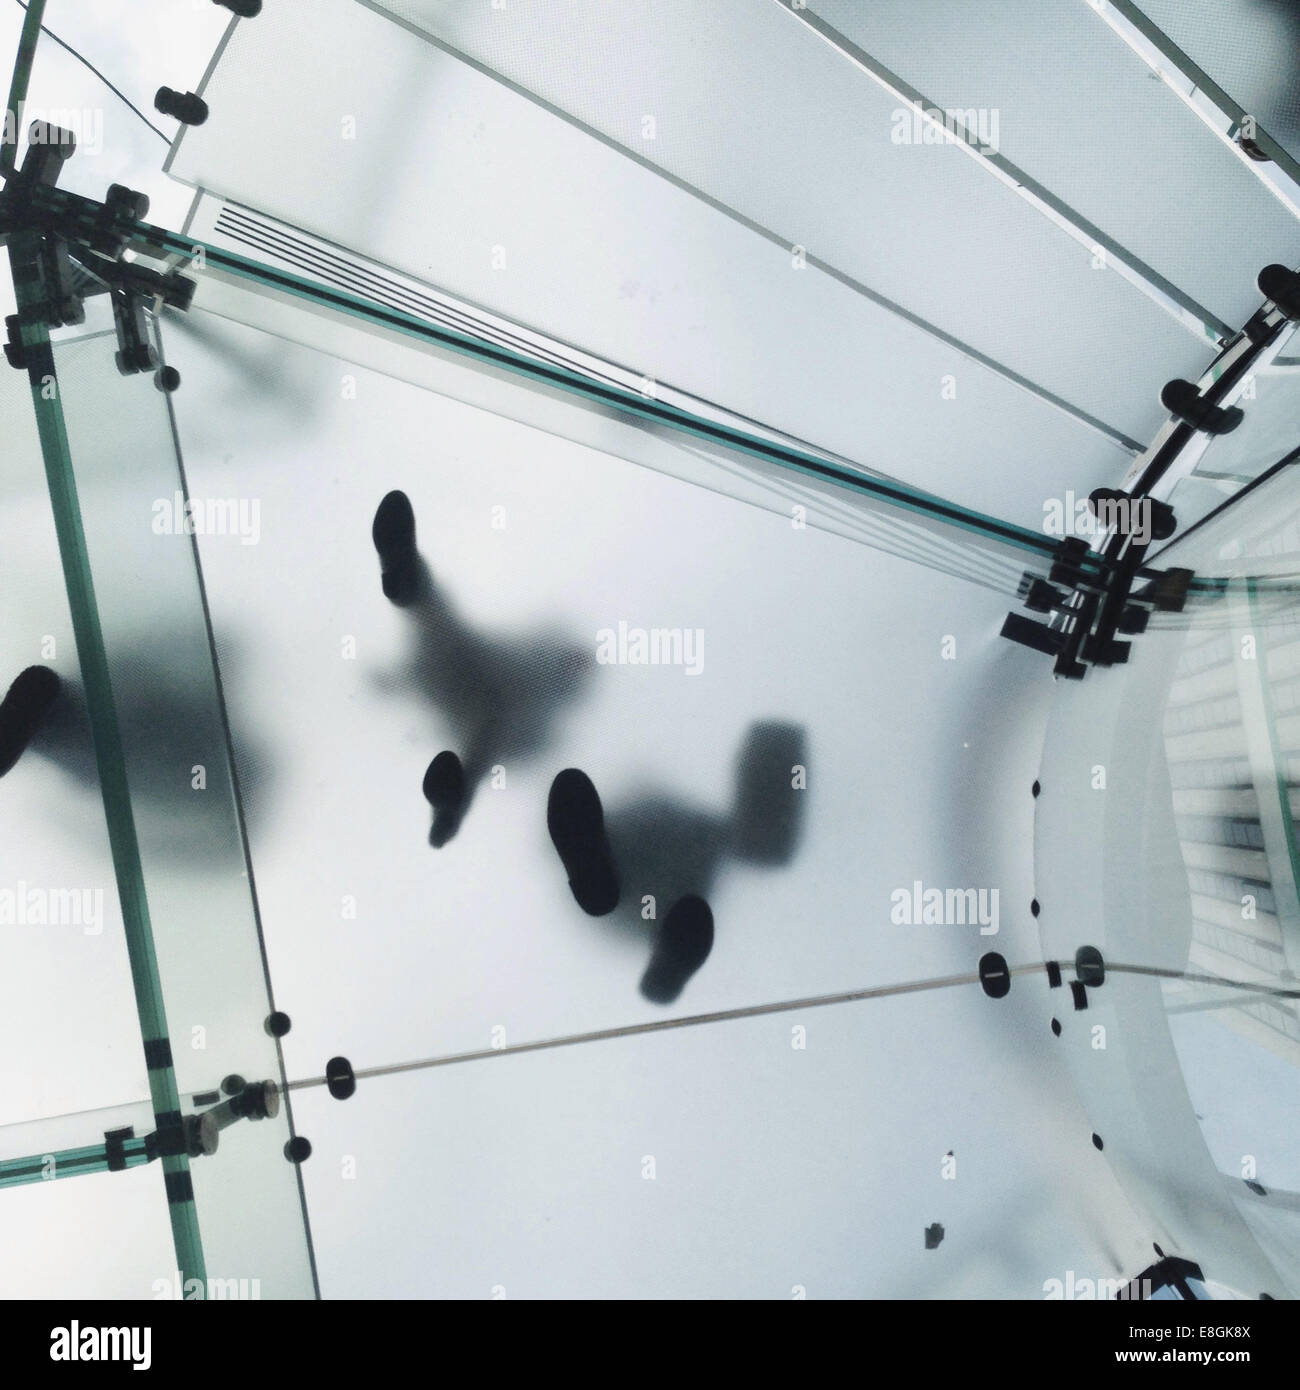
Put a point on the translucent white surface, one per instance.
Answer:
(723, 1162)
(385, 949)
(183, 803)
(1241, 46)
(558, 230)
(53, 826)
(1079, 112)
(101, 1235)
(1121, 866)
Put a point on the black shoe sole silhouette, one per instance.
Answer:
(577, 825)
(444, 790)
(767, 819)
(23, 711)
(683, 945)
(393, 533)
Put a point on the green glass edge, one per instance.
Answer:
(109, 757)
(199, 254)
(68, 1163)
(153, 240)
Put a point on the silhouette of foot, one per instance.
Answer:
(444, 790)
(683, 945)
(577, 825)
(393, 533)
(768, 801)
(24, 710)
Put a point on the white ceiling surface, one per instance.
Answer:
(448, 163)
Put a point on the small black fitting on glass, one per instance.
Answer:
(1183, 400)
(1282, 286)
(340, 1078)
(184, 107)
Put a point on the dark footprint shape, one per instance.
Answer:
(444, 790)
(393, 533)
(683, 945)
(577, 826)
(768, 814)
(23, 711)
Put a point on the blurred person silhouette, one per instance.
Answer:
(169, 726)
(501, 696)
(656, 850)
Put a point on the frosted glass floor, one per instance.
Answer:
(797, 1156)
(386, 949)
(796, 628)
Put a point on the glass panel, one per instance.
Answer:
(139, 45)
(558, 231)
(728, 1161)
(184, 803)
(60, 921)
(1077, 111)
(1240, 45)
(1267, 434)
(555, 388)
(1256, 536)
(1165, 838)
(756, 703)
(508, 663)
(1089, 126)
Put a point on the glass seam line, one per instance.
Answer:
(353, 281)
(234, 219)
(759, 1010)
(1191, 70)
(237, 796)
(109, 757)
(894, 538)
(857, 287)
(153, 239)
(1149, 282)
(667, 1024)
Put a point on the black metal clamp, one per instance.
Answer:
(75, 248)
(1092, 595)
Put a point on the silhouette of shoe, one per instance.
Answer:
(444, 790)
(393, 533)
(24, 710)
(769, 808)
(683, 945)
(577, 825)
